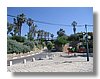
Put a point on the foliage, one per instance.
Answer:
(61, 40)
(18, 21)
(26, 49)
(73, 37)
(52, 35)
(74, 23)
(9, 27)
(18, 38)
(30, 36)
(39, 46)
(32, 29)
(16, 47)
(61, 32)
(42, 40)
(49, 45)
(9, 37)
(29, 43)
(29, 21)
(79, 36)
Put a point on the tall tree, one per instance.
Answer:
(48, 34)
(52, 35)
(9, 27)
(74, 24)
(41, 33)
(61, 32)
(19, 21)
(61, 40)
(33, 30)
(29, 23)
(45, 35)
(16, 30)
(38, 34)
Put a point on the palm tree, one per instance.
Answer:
(41, 33)
(74, 24)
(45, 35)
(48, 33)
(52, 35)
(33, 30)
(9, 27)
(29, 23)
(38, 34)
(19, 21)
(15, 30)
(61, 32)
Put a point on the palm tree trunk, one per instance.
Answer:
(20, 31)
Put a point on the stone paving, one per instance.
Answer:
(59, 63)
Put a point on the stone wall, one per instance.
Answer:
(65, 48)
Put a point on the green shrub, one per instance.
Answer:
(61, 40)
(8, 37)
(18, 38)
(29, 43)
(49, 45)
(26, 49)
(16, 47)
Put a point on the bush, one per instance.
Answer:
(49, 45)
(26, 49)
(16, 47)
(19, 38)
(61, 40)
(29, 43)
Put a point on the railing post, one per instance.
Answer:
(10, 63)
(24, 61)
(33, 59)
(47, 56)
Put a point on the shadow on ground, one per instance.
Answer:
(77, 55)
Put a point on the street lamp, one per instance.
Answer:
(87, 49)
(89, 37)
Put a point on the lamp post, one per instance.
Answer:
(87, 49)
(83, 34)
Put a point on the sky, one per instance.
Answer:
(58, 15)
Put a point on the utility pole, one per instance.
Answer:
(87, 49)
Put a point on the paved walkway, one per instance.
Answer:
(29, 58)
(59, 63)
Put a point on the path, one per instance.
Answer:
(29, 58)
(57, 64)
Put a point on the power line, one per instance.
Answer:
(51, 23)
(11, 16)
